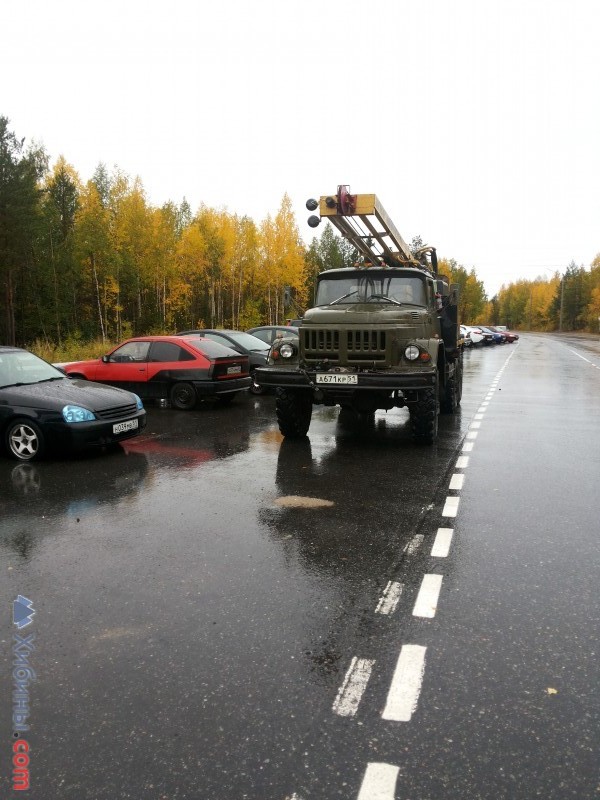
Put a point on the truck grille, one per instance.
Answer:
(350, 345)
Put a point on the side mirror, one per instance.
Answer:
(105, 359)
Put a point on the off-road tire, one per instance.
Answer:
(294, 411)
(451, 398)
(424, 416)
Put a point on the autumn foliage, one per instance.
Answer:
(83, 261)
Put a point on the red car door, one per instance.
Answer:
(126, 367)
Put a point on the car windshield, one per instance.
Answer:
(209, 348)
(247, 340)
(366, 287)
(20, 367)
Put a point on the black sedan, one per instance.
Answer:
(41, 409)
(256, 350)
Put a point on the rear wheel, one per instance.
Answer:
(424, 416)
(24, 440)
(183, 396)
(452, 390)
(294, 412)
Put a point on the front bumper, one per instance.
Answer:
(367, 381)
(98, 433)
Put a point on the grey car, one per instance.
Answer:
(256, 350)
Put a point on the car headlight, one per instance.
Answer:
(287, 350)
(138, 401)
(412, 352)
(77, 414)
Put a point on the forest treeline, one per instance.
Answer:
(81, 261)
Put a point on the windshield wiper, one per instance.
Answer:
(55, 378)
(384, 297)
(343, 297)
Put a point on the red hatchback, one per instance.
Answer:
(180, 369)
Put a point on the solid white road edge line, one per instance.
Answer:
(406, 684)
(379, 782)
(411, 548)
(390, 598)
(349, 695)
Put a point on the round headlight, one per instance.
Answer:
(412, 352)
(287, 350)
(77, 414)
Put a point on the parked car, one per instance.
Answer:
(183, 369)
(508, 335)
(268, 333)
(478, 337)
(42, 410)
(497, 336)
(466, 336)
(245, 343)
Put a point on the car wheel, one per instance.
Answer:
(183, 396)
(256, 388)
(24, 440)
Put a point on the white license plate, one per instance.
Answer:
(336, 377)
(233, 370)
(121, 427)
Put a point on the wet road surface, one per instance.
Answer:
(220, 614)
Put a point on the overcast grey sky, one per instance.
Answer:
(476, 122)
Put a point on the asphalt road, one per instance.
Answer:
(220, 614)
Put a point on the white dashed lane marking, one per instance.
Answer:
(443, 540)
(427, 599)
(404, 692)
(379, 782)
(451, 507)
(457, 481)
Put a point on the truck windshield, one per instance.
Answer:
(369, 287)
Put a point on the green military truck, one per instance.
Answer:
(382, 335)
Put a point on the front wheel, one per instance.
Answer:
(183, 396)
(294, 412)
(424, 416)
(24, 440)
